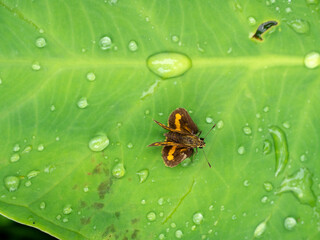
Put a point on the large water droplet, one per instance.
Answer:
(143, 175)
(179, 234)
(299, 184)
(15, 157)
(118, 171)
(41, 42)
(67, 209)
(91, 76)
(151, 216)
(105, 43)
(290, 223)
(82, 102)
(267, 147)
(133, 46)
(98, 143)
(260, 229)
(169, 64)
(312, 60)
(299, 25)
(280, 147)
(197, 218)
(12, 183)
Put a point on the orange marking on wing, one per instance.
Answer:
(170, 153)
(177, 121)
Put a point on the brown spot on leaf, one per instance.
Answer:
(135, 220)
(104, 188)
(97, 169)
(134, 234)
(83, 204)
(117, 214)
(108, 233)
(98, 205)
(85, 221)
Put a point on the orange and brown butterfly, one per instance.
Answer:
(182, 138)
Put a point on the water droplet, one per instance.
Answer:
(173, 225)
(267, 147)
(67, 209)
(16, 148)
(86, 189)
(280, 147)
(143, 175)
(312, 2)
(289, 223)
(312, 60)
(193, 227)
(49, 168)
(130, 145)
(82, 102)
(288, 10)
(99, 143)
(161, 214)
(161, 236)
(91, 76)
(175, 38)
(268, 186)
(33, 174)
(299, 25)
(234, 217)
(52, 108)
(58, 217)
(41, 42)
(286, 124)
(264, 199)
(42, 205)
(197, 218)
(143, 201)
(27, 149)
(247, 130)
(209, 120)
(118, 170)
(0, 81)
(303, 158)
(160, 201)
(241, 150)
(220, 124)
(246, 183)
(260, 229)
(151, 89)
(12, 183)
(105, 43)
(266, 109)
(65, 219)
(133, 46)
(40, 147)
(252, 21)
(36, 66)
(169, 64)
(299, 184)
(186, 162)
(258, 115)
(28, 183)
(151, 216)
(15, 157)
(178, 234)
(211, 207)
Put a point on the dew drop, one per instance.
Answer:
(252, 21)
(36, 66)
(211, 207)
(299, 26)
(246, 183)
(241, 150)
(52, 108)
(130, 145)
(268, 186)
(220, 124)
(266, 109)
(161, 236)
(260, 229)
(12, 183)
(143, 175)
(58, 217)
(312, 60)
(178, 234)
(118, 170)
(169, 64)
(40, 147)
(160, 201)
(15, 157)
(105, 43)
(42, 205)
(27, 149)
(16, 148)
(173, 225)
(41, 42)
(98, 143)
(82, 102)
(303, 158)
(28, 183)
(267, 147)
(286, 124)
(133, 46)
(33, 174)
(247, 130)
(209, 120)
(299, 184)
(65, 220)
(143, 201)
(312, 2)
(288, 10)
(49, 168)
(151, 216)
(289, 223)
(175, 38)
(264, 199)
(91, 76)
(86, 189)
(67, 209)
(197, 218)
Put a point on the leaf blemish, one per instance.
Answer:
(104, 188)
(263, 27)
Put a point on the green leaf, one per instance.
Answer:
(77, 103)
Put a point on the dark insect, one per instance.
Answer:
(262, 28)
(182, 138)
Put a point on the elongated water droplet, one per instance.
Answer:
(98, 143)
(67, 209)
(312, 60)
(15, 157)
(150, 91)
(312, 2)
(178, 234)
(280, 147)
(151, 216)
(299, 184)
(105, 43)
(41, 42)
(42, 205)
(260, 229)
(197, 218)
(52, 108)
(82, 102)
(118, 171)
(12, 183)
(33, 174)
(27, 149)
(91, 76)
(169, 64)
(143, 175)
(303, 158)
(299, 25)
(290, 223)
(133, 46)
(267, 147)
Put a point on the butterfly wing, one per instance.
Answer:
(173, 155)
(181, 121)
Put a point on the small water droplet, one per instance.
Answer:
(209, 120)
(186, 162)
(258, 115)
(151, 216)
(82, 102)
(169, 64)
(241, 150)
(41, 42)
(105, 43)
(197, 218)
(193, 227)
(160, 201)
(86, 189)
(143, 201)
(178, 234)
(49, 168)
(16, 148)
(40, 147)
(312, 60)
(65, 220)
(246, 183)
(266, 109)
(211, 207)
(36, 66)
(260, 229)
(229, 50)
(33, 174)
(299, 184)
(220, 124)
(98, 143)
(303, 158)
(267, 147)
(15, 157)
(143, 175)
(118, 170)
(288, 10)
(91, 76)
(312, 2)
(264, 199)
(175, 38)
(234, 217)
(42, 205)
(173, 225)
(12, 183)
(252, 21)
(161, 236)
(133, 46)
(268, 186)
(299, 25)
(52, 108)
(130, 145)
(67, 209)
(27, 149)
(289, 223)
(28, 183)
(247, 130)
(286, 124)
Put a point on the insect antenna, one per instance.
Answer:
(206, 158)
(209, 131)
